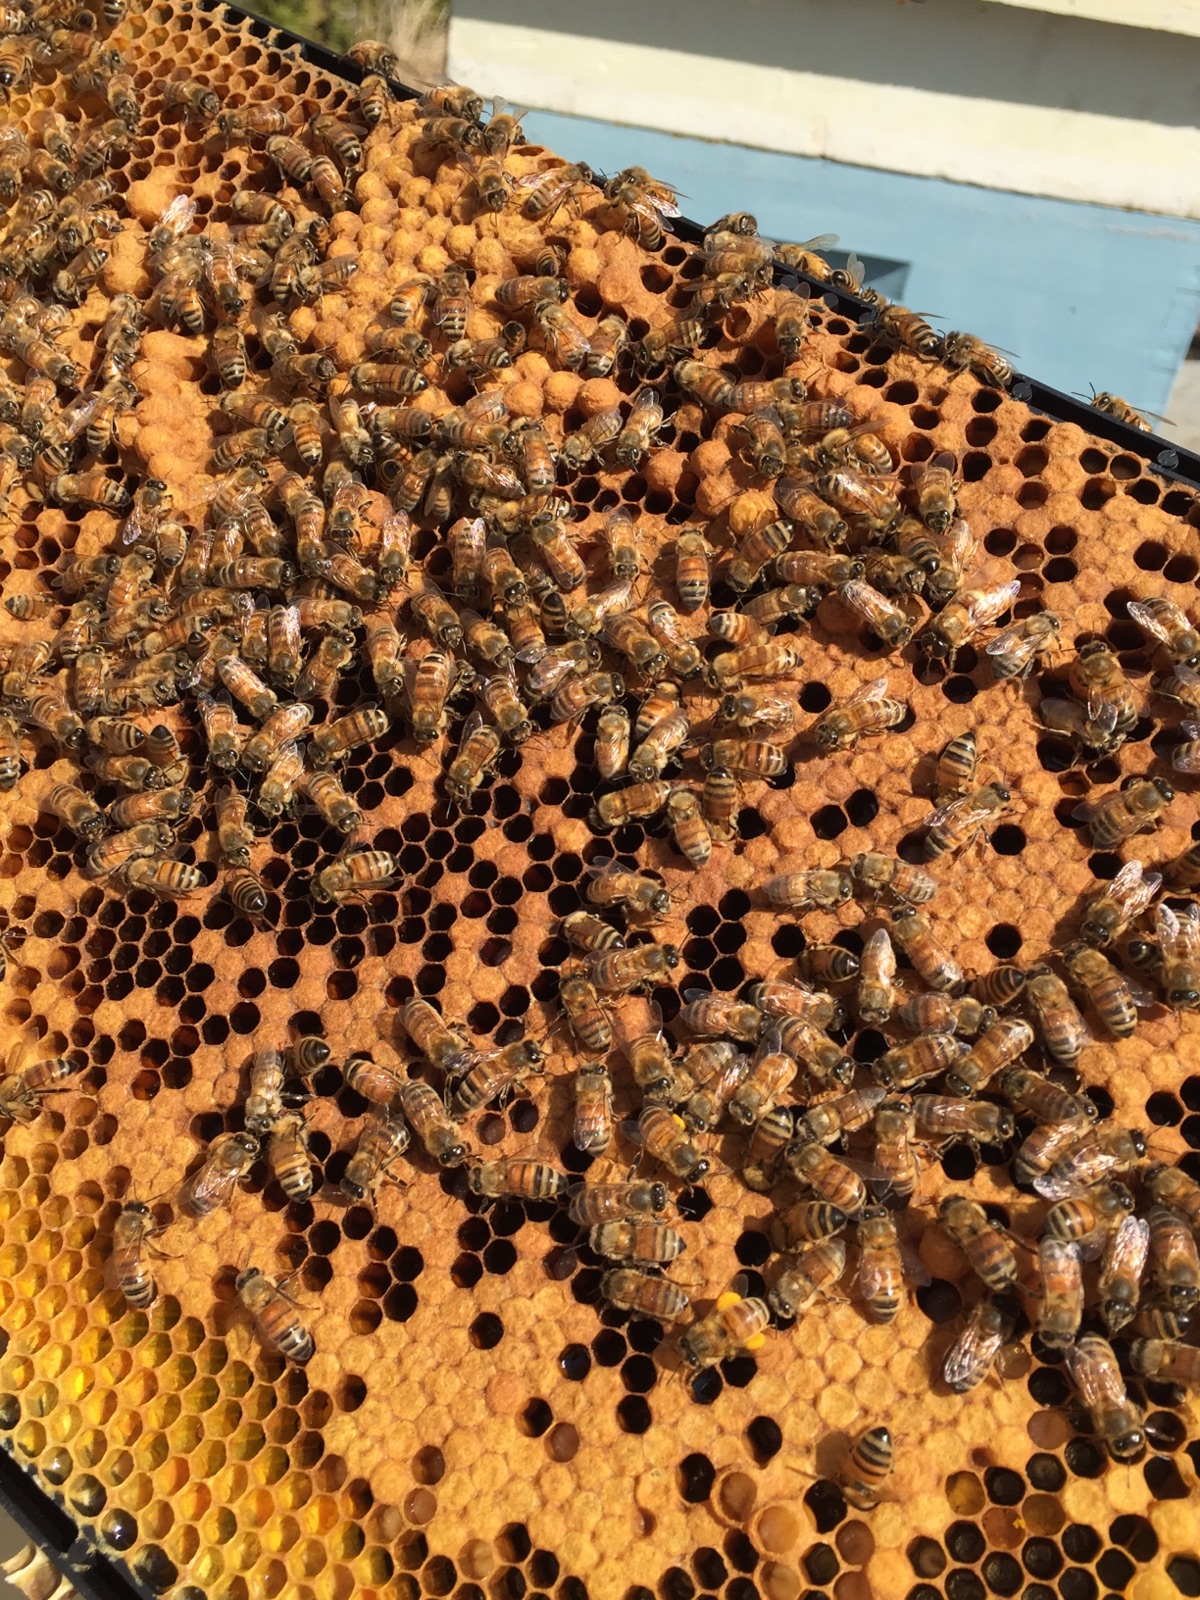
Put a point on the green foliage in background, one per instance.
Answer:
(338, 23)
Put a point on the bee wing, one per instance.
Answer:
(1099, 1382)
(1191, 729)
(1103, 713)
(867, 601)
(1139, 994)
(959, 811)
(1014, 634)
(879, 957)
(1135, 888)
(915, 1269)
(645, 400)
(1062, 716)
(1189, 931)
(988, 604)
(1153, 618)
(875, 690)
(179, 215)
(1128, 1248)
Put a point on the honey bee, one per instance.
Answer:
(894, 1157)
(442, 1046)
(769, 1137)
(1098, 681)
(93, 488)
(276, 1315)
(918, 1060)
(429, 1120)
(518, 1179)
(944, 1119)
(714, 1015)
(166, 879)
(1001, 1044)
(331, 743)
(614, 885)
(967, 612)
(736, 1324)
(495, 1074)
(113, 852)
(962, 350)
(605, 344)
(1174, 1188)
(1163, 1362)
(429, 689)
(1096, 1154)
(771, 1074)
(1061, 1309)
(628, 805)
(959, 822)
(1137, 807)
(648, 1242)
(913, 933)
(644, 1294)
(585, 1015)
(264, 1103)
(1118, 1422)
(868, 710)
(643, 422)
(1174, 1262)
(132, 1233)
(373, 1082)
(666, 1139)
(383, 1140)
(886, 620)
(969, 1359)
(593, 1120)
(1125, 1254)
(594, 1203)
(1059, 1023)
(867, 1467)
(807, 890)
(211, 1186)
(876, 998)
(752, 758)
(10, 753)
(985, 1246)
(612, 743)
(760, 546)
(1114, 996)
(934, 484)
(593, 436)
(357, 874)
(882, 1266)
(1089, 1217)
(808, 1272)
(22, 1087)
(1017, 650)
(287, 1156)
(168, 805)
(829, 963)
(76, 811)
(589, 934)
(839, 1185)
(1168, 624)
(1178, 938)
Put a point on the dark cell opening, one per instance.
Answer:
(696, 1475)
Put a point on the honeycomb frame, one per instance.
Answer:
(399, 1461)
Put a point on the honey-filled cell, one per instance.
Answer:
(520, 561)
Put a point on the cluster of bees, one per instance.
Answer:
(222, 647)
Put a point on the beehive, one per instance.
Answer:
(474, 1422)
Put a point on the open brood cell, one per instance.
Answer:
(476, 1422)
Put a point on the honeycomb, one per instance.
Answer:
(475, 1422)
